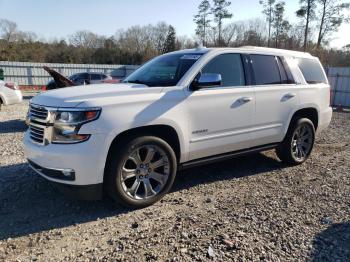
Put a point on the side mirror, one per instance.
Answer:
(206, 80)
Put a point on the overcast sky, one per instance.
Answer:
(56, 19)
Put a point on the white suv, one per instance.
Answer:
(180, 109)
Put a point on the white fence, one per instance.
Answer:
(25, 73)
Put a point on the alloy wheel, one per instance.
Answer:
(145, 172)
(302, 142)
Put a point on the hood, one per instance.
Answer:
(73, 96)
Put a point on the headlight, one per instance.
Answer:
(68, 122)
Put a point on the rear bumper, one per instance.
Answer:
(325, 118)
(14, 97)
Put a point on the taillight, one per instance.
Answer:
(11, 86)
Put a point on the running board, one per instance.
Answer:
(226, 156)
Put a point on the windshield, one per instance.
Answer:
(164, 70)
(73, 77)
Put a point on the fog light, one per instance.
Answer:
(67, 173)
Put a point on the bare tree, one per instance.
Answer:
(184, 42)
(85, 39)
(331, 17)
(8, 30)
(158, 35)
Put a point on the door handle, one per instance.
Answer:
(245, 99)
(289, 95)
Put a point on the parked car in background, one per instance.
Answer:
(85, 78)
(181, 109)
(9, 93)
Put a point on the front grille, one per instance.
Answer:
(36, 133)
(37, 112)
(38, 118)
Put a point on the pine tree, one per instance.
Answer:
(331, 17)
(170, 41)
(307, 11)
(280, 25)
(220, 13)
(268, 12)
(202, 21)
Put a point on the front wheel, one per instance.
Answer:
(298, 143)
(141, 171)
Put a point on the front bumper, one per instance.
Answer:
(86, 160)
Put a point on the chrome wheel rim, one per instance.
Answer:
(302, 142)
(145, 172)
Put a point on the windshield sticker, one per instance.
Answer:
(192, 57)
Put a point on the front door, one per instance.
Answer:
(221, 117)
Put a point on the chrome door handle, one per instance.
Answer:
(245, 99)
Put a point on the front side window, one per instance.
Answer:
(265, 69)
(95, 77)
(165, 70)
(312, 71)
(230, 67)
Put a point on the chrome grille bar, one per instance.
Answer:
(36, 134)
(38, 112)
(38, 120)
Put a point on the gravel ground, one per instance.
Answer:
(246, 209)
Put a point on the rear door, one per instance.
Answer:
(276, 98)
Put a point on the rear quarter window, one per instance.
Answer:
(312, 71)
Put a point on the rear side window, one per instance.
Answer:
(312, 71)
(230, 67)
(265, 68)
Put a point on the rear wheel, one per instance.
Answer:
(141, 171)
(298, 143)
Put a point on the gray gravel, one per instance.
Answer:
(247, 209)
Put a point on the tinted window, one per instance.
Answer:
(283, 74)
(230, 67)
(265, 69)
(82, 77)
(164, 70)
(312, 71)
(95, 77)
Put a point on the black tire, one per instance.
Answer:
(286, 151)
(118, 157)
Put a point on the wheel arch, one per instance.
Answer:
(306, 112)
(165, 132)
(2, 100)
